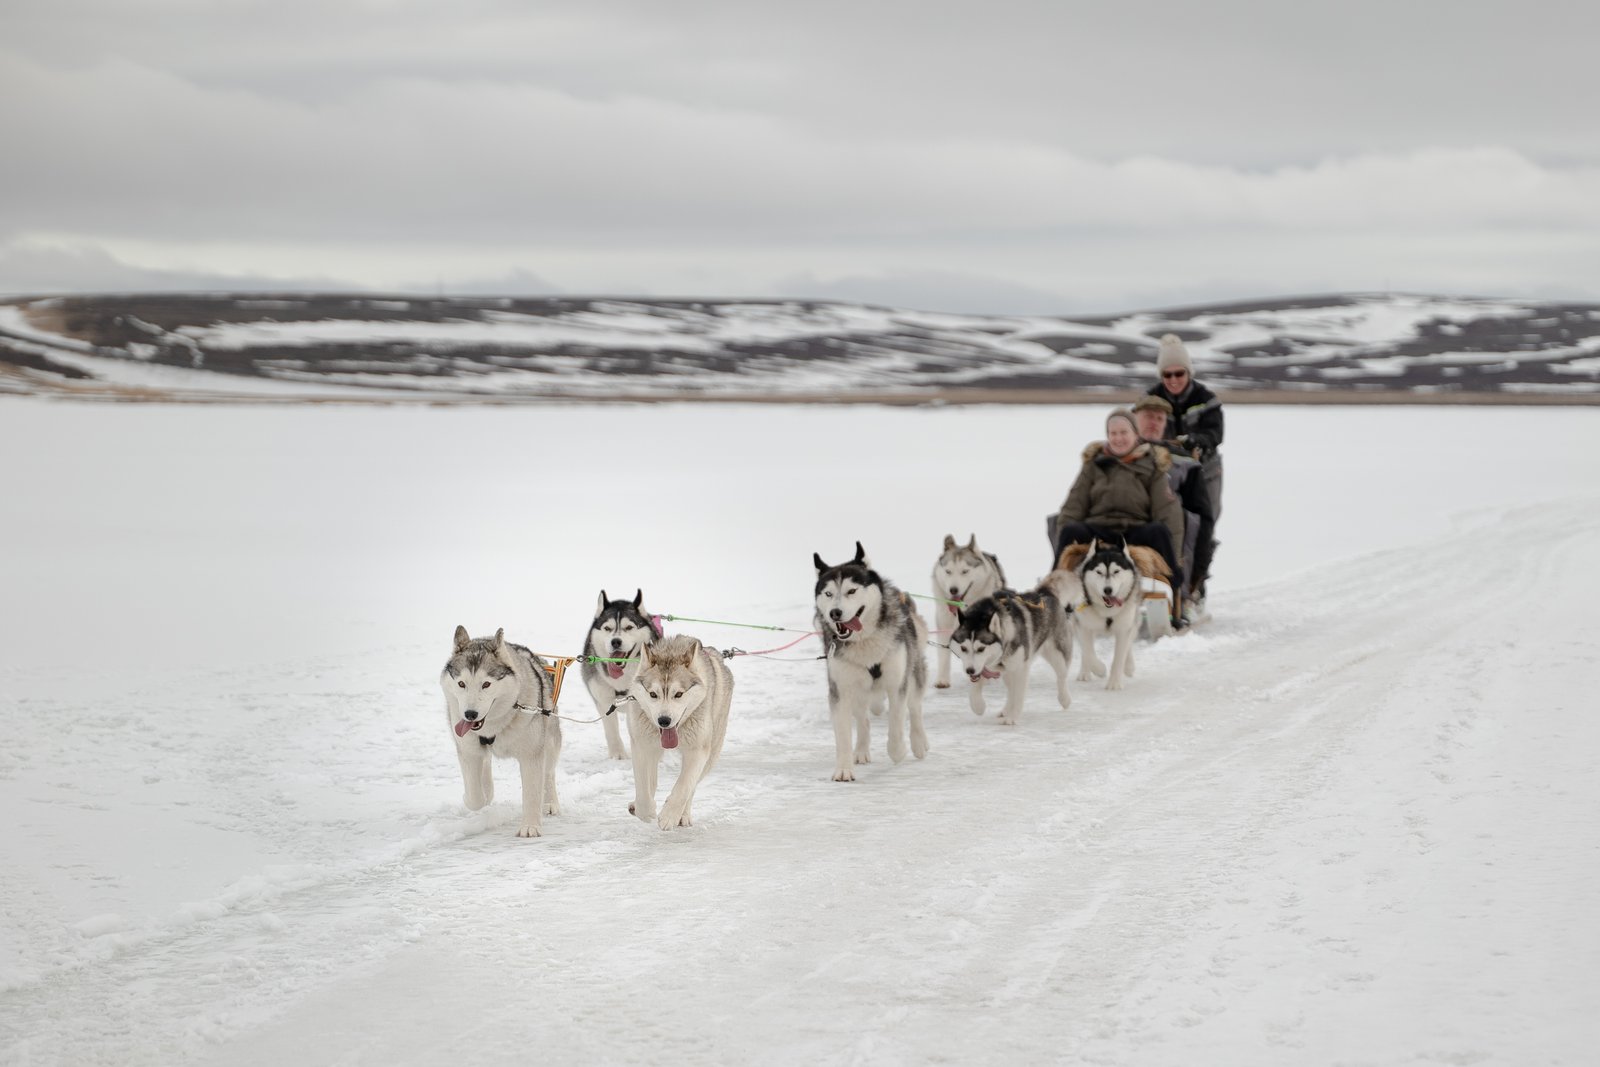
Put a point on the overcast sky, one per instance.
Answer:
(996, 157)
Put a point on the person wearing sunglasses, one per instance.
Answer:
(1196, 425)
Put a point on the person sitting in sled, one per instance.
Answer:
(1122, 493)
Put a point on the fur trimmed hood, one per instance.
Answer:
(1097, 450)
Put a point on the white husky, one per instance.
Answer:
(611, 659)
(873, 638)
(680, 701)
(497, 702)
(963, 573)
(998, 637)
(1102, 582)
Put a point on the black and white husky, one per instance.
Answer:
(965, 573)
(620, 630)
(873, 638)
(999, 636)
(498, 702)
(1103, 583)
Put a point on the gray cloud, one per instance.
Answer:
(650, 147)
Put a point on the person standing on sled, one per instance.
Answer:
(1195, 425)
(1122, 493)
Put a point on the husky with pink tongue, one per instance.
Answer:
(873, 639)
(498, 702)
(680, 703)
(611, 657)
(997, 639)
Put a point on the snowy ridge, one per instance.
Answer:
(314, 346)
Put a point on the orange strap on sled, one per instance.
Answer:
(557, 671)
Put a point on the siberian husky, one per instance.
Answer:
(497, 702)
(681, 694)
(873, 638)
(998, 637)
(619, 630)
(1101, 582)
(965, 573)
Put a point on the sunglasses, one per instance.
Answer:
(1174, 373)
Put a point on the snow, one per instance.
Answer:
(1349, 821)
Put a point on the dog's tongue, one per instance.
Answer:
(614, 669)
(954, 610)
(990, 674)
(853, 625)
(669, 737)
(1113, 602)
(462, 727)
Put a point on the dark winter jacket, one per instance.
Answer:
(1196, 417)
(1122, 493)
(1188, 480)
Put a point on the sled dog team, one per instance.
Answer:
(674, 692)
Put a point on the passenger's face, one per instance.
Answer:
(1120, 436)
(1152, 424)
(1175, 379)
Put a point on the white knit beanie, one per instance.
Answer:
(1173, 354)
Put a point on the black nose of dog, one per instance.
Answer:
(470, 714)
(1108, 590)
(835, 613)
(663, 721)
(954, 590)
(971, 673)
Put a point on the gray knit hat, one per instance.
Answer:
(1173, 354)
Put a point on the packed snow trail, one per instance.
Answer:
(1349, 821)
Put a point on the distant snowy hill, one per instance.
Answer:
(1354, 347)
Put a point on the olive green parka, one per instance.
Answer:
(1122, 493)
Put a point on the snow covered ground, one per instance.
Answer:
(1351, 821)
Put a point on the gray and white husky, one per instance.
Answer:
(873, 639)
(1102, 582)
(999, 636)
(619, 630)
(681, 696)
(965, 573)
(497, 702)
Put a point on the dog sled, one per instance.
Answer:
(1155, 590)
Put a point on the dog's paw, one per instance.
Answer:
(942, 684)
(474, 803)
(844, 774)
(1113, 683)
(551, 807)
(669, 821)
(528, 829)
(617, 754)
(646, 814)
(897, 752)
(1093, 668)
(919, 746)
(1007, 720)
(1127, 666)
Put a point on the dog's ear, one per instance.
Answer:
(604, 600)
(861, 555)
(817, 559)
(949, 542)
(647, 658)
(462, 638)
(500, 640)
(972, 543)
(638, 598)
(691, 652)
